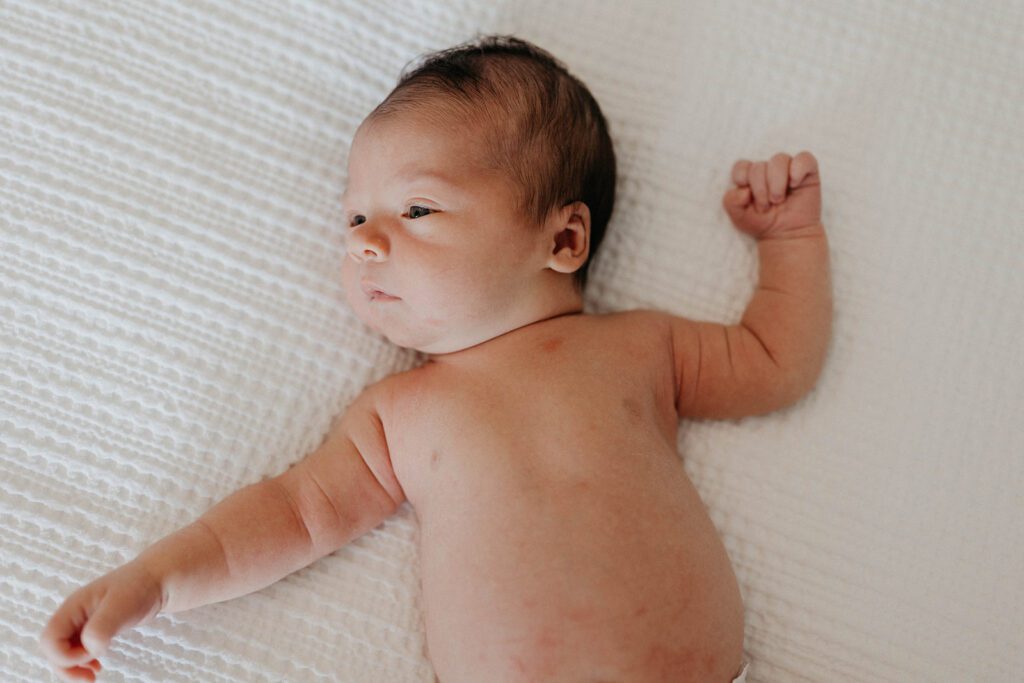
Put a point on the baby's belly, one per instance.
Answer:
(608, 569)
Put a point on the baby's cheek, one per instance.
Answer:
(348, 279)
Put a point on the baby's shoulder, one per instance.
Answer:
(399, 391)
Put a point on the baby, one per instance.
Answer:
(561, 539)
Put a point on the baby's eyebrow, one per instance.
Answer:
(426, 174)
(418, 174)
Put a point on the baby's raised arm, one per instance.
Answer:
(247, 541)
(774, 355)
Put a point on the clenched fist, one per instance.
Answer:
(776, 198)
(82, 627)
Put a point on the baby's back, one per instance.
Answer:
(560, 537)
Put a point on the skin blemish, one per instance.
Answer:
(552, 344)
(435, 459)
(640, 611)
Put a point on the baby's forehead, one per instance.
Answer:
(415, 146)
(461, 127)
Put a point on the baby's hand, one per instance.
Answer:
(83, 626)
(776, 198)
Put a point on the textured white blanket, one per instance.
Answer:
(172, 325)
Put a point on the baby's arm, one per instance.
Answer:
(268, 530)
(247, 541)
(775, 354)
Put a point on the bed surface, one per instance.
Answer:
(172, 323)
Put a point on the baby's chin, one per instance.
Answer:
(410, 326)
(397, 329)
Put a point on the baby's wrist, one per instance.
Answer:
(803, 231)
(151, 575)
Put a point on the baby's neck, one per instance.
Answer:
(566, 303)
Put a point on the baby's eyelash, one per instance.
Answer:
(355, 219)
(417, 206)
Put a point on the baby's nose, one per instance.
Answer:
(367, 247)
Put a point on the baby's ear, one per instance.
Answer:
(568, 232)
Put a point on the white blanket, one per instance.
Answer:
(172, 324)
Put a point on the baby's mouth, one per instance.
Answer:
(375, 293)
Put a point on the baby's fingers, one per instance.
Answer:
(741, 172)
(736, 201)
(803, 167)
(87, 672)
(778, 177)
(59, 640)
(759, 185)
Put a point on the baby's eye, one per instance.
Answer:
(357, 220)
(418, 211)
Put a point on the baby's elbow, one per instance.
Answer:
(794, 385)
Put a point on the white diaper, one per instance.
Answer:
(742, 678)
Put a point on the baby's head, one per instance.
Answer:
(478, 192)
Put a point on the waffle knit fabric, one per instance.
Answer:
(172, 324)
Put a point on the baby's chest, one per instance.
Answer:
(521, 429)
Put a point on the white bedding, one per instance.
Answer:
(172, 325)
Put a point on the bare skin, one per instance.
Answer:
(561, 539)
(576, 549)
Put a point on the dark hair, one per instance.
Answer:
(542, 124)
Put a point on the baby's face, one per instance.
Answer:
(436, 231)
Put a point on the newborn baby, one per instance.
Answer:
(561, 539)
